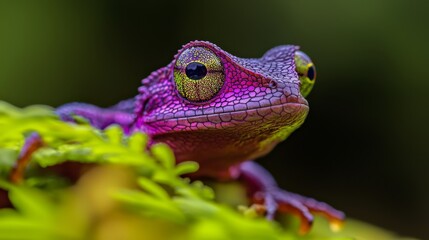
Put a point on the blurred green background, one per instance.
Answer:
(364, 147)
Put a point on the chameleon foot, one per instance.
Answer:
(278, 200)
(263, 190)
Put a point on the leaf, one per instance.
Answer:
(137, 142)
(114, 134)
(164, 154)
(30, 202)
(153, 188)
(185, 168)
(151, 206)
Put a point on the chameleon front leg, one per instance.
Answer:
(121, 114)
(32, 144)
(263, 189)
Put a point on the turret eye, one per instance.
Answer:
(198, 74)
(196, 70)
(306, 72)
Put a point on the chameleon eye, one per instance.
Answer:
(198, 74)
(306, 72)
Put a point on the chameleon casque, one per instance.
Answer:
(222, 111)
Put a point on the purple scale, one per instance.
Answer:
(228, 108)
(265, 102)
(239, 116)
(219, 110)
(230, 99)
(226, 117)
(208, 111)
(215, 119)
(190, 113)
(228, 95)
(179, 114)
(168, 115)
(239, 107)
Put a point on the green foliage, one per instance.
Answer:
(135, 193)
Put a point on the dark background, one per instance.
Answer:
(364, 147)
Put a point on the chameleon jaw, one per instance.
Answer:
(213, 140)
(284, 114)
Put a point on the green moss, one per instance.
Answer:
(133, 193)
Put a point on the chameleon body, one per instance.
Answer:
(221, 111)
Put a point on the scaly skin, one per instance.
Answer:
(239, 111)
(259, 106)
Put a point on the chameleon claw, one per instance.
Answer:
(336, 225)
(334, 216)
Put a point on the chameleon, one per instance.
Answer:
(222, 112)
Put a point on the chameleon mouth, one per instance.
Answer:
(287, 113)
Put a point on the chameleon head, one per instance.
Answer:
(213, 107)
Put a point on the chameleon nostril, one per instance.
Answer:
(272, 84)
